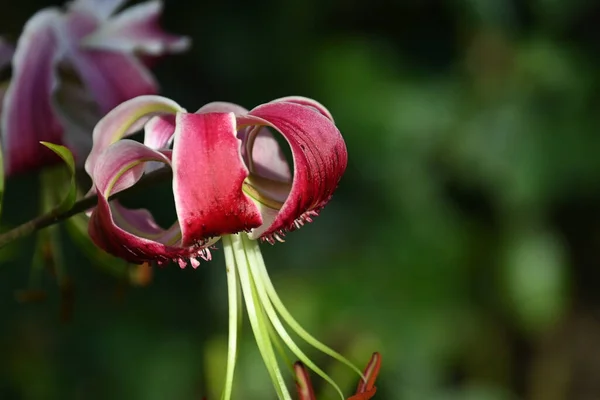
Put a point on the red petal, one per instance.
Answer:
(113, 173)
(305, 101)
(208, 173)
(319, 154)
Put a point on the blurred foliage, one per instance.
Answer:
(463, 242)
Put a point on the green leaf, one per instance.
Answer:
(67, 157)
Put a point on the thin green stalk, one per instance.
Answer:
(255, 314)
(80, 206)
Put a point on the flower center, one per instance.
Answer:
(266, 191)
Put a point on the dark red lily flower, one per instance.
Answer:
(229, 174)
(230, 181)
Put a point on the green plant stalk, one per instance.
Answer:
(56, 216)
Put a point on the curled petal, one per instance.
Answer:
(137, 29)
(222, 107)
(268, 160)
(78, 115)
(305, 101)
(320, 159)
(112, 173)
(125, 119)
(112, 77)
(28, 116)
(6, 53)
(101, 9)
(208, 173)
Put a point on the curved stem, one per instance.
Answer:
(44, 221)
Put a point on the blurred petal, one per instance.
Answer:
(125, 119)
(28, 116)
(320, 159)
(78, 115)
(111, 174)
(101, 9)
(137, 29)
(370, 373)
(208, 173)
(6, 53)
(112, 77)
(303, 383)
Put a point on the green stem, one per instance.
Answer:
(46, 220)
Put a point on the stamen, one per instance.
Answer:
(182, 263)
(195, 263)
(233, 289)
(289, 319)
(257, 321)
(268, 307)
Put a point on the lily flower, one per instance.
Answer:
(230, 181)
(72, 66)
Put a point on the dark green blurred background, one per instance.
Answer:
(463, 242)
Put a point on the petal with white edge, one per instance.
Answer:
(125, 119)
(112, 174)
(100, 9)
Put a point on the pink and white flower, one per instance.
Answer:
(72, 66)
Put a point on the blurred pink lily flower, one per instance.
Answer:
(231, 181)
(72, 66)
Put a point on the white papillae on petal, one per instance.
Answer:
(126, 119)
(137, 29)
(101, 9)
(28, 115)
(6, 53)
